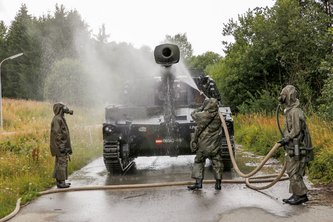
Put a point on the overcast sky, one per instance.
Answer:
(146, 22)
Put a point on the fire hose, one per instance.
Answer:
(249, 179)
(248, 176)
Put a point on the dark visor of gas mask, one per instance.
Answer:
(282, 99)
(68, 111)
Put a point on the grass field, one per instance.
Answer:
(25, 160)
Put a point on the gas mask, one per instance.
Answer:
(282, 99)
(67, 110)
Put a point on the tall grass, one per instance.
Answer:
(25, 160)
(259, 133)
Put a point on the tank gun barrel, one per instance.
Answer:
(166, 54)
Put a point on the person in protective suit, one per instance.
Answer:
(60, 144)
(206, 142)
(297, 142)
(208, 87)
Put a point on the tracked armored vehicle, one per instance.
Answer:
(157, 121)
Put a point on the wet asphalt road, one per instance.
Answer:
(234, 203)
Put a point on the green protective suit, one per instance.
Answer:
(208, 133)
(295, 133)
(60, 144)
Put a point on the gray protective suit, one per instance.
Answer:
(208, 136)
(60, 143)
(296, 134)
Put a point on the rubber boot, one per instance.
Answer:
(196, 186)
(296, 200)
(218, 185)
(61, 184)
(286, 200)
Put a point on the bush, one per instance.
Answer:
(326, 100)
(264, 102)
(257, 133)
(321, 169)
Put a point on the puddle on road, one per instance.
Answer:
(166, 169)
(248, 161)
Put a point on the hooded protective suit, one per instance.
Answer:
(208, 136)
(208, 86)
(297, 141)
(60, 144)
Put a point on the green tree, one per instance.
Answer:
(102, 36)
(183, 44)
(326, 106)
(64, 34)
(326, 99)
(328, 9)
(304, 43)
(275, 46)
(203, 60)
(3, 30)
(22, 76)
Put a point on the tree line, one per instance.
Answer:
(63, 60)
(289, 43)
(44, 41)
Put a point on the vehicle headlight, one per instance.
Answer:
(142, 129)
(108, 129)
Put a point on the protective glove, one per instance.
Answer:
(283, 141)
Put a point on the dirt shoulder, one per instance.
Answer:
(321, 195)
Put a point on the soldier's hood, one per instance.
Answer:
(295, 104)
(289, 107)
(290, 94)
(58, 108)
(211, 105)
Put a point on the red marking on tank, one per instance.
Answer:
(158, 141)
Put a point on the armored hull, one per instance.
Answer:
(126, 139)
